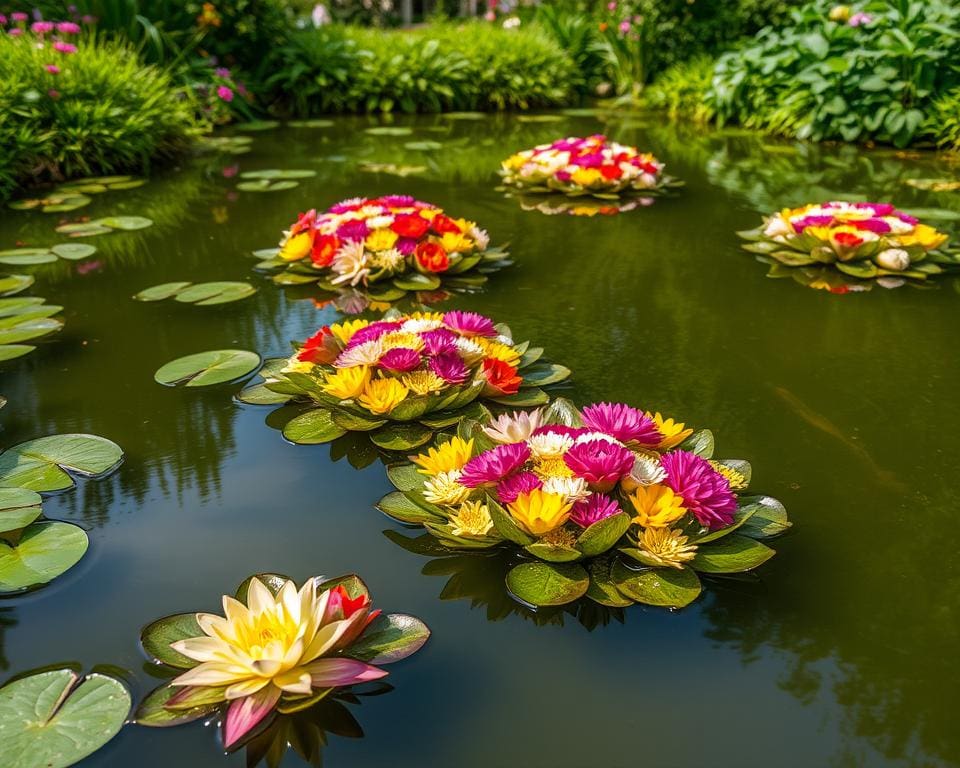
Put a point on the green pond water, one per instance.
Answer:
(842, 653)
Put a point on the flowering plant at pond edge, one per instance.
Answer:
(862, 241)
(404, 376)
(394, 242)
(585, 166)
(276, 650)
(633, 496)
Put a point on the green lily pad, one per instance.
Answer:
(277, 173)
(423, 146)
(414, 281)
(13, 351)
(731, 554)
(603, 534)
(204, 369)
(389, 130)
(43, 552)
(160, 292)
(18, 508)
(392, 168)
(57, 202)
(700, 442)
(312, 123)
(46, 464)
(266, 185)
(465, 115)
(28, 329)
(74, 251)
(126, 223)
(257, 125)
(157, 637)
(542, 374)
(768, 518)
(27, 256)
(83, 229)
(543, 584)
(13, 284)
(390, 638)
(401, 436)
(666, 587)
(405, 510)
(260, 394)
(54, 719)
(539, 118)
(526, 397)
(210, 294)
(314, 427)
(153, 711)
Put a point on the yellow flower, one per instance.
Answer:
(472, 519)
(666, 547)
(539, 512)
(444, 488)
(383, 395)
(925, 236)
(296, 247)
(403, 339)
(344, 331)
(347, 383)
(438, 316)
(553, 466)
(423, 382)
(673, 431)
(498, 351)
(381, 239)
(447, 457)
(735, 478)
(430, 213)
(298, 366)
(586, 177)
(455, 242)
(559, 537)
(656, 506)
(513, 162)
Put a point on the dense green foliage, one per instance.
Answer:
(680, 90)
(943, 120)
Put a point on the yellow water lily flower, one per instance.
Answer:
(347, 383)
(674, 432)
(585, 177)
(344, 331)
(430, 213)
(538, 512)
(444, 488)
(381, 239)
(471, 519)
(656, 506)
(383, 395)
(296, 247)
(498, 351)
(923, 235)
(423, 382)
(734, 477)
(446, 457)
(403, 339)
(456, 242)
(666, 547)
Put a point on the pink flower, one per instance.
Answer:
(561, 429)
(600, 463)
(53, 93)
(624, 26)
(400, 360)
(494, 465)
(353, 230)
(859, 19)
(42, 27)
(704, 491)
(372, 331)
(66, 48)
(68, 28)
(627, 424)
(225, 93)
(469, 323)
(510, 488)
(406, 245)
(88, 19)
(53, 69)
(222, 72)
(450, 367)
(438, 342)
(3, 20)
(230, 171)
(19, 16)
(611, 6)
(15, 32)
(593, 509)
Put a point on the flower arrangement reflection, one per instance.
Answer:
(552, 205)
(568, 486)
(404, 376)
(585, 166)
(862, 241)
(276, 650)
(393, 241)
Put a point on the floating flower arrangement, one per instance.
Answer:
(389, 244)
(404, 376)
(610, 502)
(861, 241)
(585, 166)
(320, 638)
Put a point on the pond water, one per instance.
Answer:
(842, 653)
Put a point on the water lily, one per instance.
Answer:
(513, 427)
(383, 395)
(447, 457)
(656, 506)
(471, 519)
(538, 512)
(665, 547)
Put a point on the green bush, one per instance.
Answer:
(839, 72)
(102, 112)
(680, 90)
(943, 120)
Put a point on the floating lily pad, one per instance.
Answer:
(539, 118)
(205, 369)
(53, 719)
(389, 130)
(74, 251)
(46, 464)
(390, 638)
(56, 202)
(13, 284)
(543, 584)
(127, 223)
(160, 292)
(465, 116)
(231, 145)
(266, 185)
(156, 639)
(257, 125)
(27, 256)
(392, 168)
(666, 587)
(313, 123)
(12, 351)
(24, 318)
(44, 551)
(18, 508)
(201, 294)
(936, 214)
(277, 173)
(313, 427)
(423, 146)
(83, 229)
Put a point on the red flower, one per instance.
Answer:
(432, 257)
(304, 222)
(611, 171)
(502, 378)
(324, 246)
(848, 239)
(319, 348)
(442, 224)
(410, 225)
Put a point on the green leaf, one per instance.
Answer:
(18, 508)
(210, 294)
(526, 397)
(389, 638)
(399, 507)
(11, 284)
(666, 587)
(44, 551)
(603, 534)
(543, 374)
(769, 517)
(312, 123)
(563, 411)
(552, 553)
(260, 394)
(12, 351)
(27, 257)
(542, 584)
(152, 711)
(731, 554)
(402, 436)
(74, 251)
(204, 369)
(423, 146)
(278, 173)
(602, 588)
(272, 581)
(126, 223)
(48, 721)
(389, 130)
(160, 292)
(405, 477)
(415, 281)
(936, 214)
(29, 329)
(157, 637)
(314, 427)
(42, 464)
(353, 584)
(266, 185)
(505, 525)
(700, 443)
(255, 125)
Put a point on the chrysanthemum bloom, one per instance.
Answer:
(502, 379)
(514, 427)
(572, 488)
(593, 509)
(450, 367)
(400, 360)
(446, 457)
(513, 485)
(471, 519)
(445, 488)
(549, 445)
(665, 547)
(275, 645)
(383, 395)
(65, 48)
(225, 93)
(373, 331)
(347, 383)
(469, 324)
(538, 512)
(368, 353)
(673, 432)
(705, 492)
(656, 506)
(555, 466)
(396, 339)
(42, 27)
(600, 463)
(628, 425)
(380, 239)
(53, 69)
(646, 470)
(423, 382)
(492, 466)
(468, 349)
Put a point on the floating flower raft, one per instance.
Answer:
(585, 166)
(610, 502)
(391, 244)
(405, 376)
(862, 241)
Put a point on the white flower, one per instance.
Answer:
(445, 488)
(350, 264)
(549, 445)
(420, 325)
(777, 227)
(370, 211)
(647, 470)
(480, 237)
(895, 259)
(898, 226)
(470, 351)
(380, 222)
(515, 427)
(367, 353)
(389, 259)
(573, 488)
(648, 180)
(586, 437)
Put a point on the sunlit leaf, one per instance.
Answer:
(204, 369)
(47, 463)
(544, 584)
(44, 551)
(18, 508)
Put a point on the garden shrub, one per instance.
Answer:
(943, 120)
(680, 90)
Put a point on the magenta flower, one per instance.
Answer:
(593, 509)
(492, 466)
(53, 69)
(400, 359)
(400, 201)
(438, 342)
(353, 230)
(450, 367)
(624, 26)
(626, 424)
(372, 331)
(879, 226)
(704, 491)
(859, 19)
(225, 93)
(15, 32)
(561, 429)
(878, 209)
(348, 205)
(3, 20)
(406, 245)
(222, 72)
(812, 221)
(42, 27)
(563, 176)
(469, 323)
(63, 47)
(19, 16)
(68, 28)
(600, 463)
(510, 488)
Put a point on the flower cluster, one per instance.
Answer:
(274, 647)
(862, 240)
(363, 241)
(56, 38)
(583, 166)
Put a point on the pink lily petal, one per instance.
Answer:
(330, 673)
(245, 714)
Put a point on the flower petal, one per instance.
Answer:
(213, 673)
(259, 598)
(329, 673)
(202, 648)
(244, 714)
(294, 681)
(246, 688)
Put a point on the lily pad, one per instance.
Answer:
(204, 369)
(401, 436)
(392, 168)
(28, 329)
(153, 710)
(43, 552)
(13, 351)
(666, 587)
(57, 202)
(465, 115)
(157, 637)
(74, 251)
(53, 719)
(543, 584)
(423, 146)
(46, 464)
(414, 281)
(209, 294)
(731, 554)
(389, 130)
(27, 256)
(277, 173)
(313, 428)
(539, 118)
(312, 123)
(257, 125)
(266, 185)
(83, 229)
(160, 292)
(13, 284)
(126, 223)
(18, 508)
(390, 638)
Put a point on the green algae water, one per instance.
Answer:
(841, 653)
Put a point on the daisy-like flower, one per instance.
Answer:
(471, 519)
(734, 477)
(372, 332)
(469, 323)
(446, 457)
(367, 353)
(469, 350)
(390, 258)
(656, 506)
(666, 548)
(627, 424)
(514, 427)
(450, 368)
(400, 360)
(423, 382)
(350, 264)
(445, 488)
(380, 239)
(647, 470)
(600, 463)
(347, 383)
(538, 512)
(552, 467)
(549, 445)
(513, 485)
(572, 488)
(401, 339)
(673, 432)
(480, 237)
(593, 509)
(498, 351)
(705, 492)
(383, 395)
(492, 466)
(421, 325)
(586, 437)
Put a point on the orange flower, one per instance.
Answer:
(410, 225)
(324, 246)
(442, 224)
(502, 378)
(432, 257)
(322, 347)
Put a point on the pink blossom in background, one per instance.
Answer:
(222, 72)
(88, 19)
(53, 93)
(68, 28)
(3, 20)
(53, 69)
(66, 48)
(18, 16)
(230, 171)
(42, 27)
(625, 26)
(860, 19)
(611, 6)
(15, 32)
(225, 93)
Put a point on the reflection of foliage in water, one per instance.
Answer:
(8, 620)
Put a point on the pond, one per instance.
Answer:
(842, 652)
